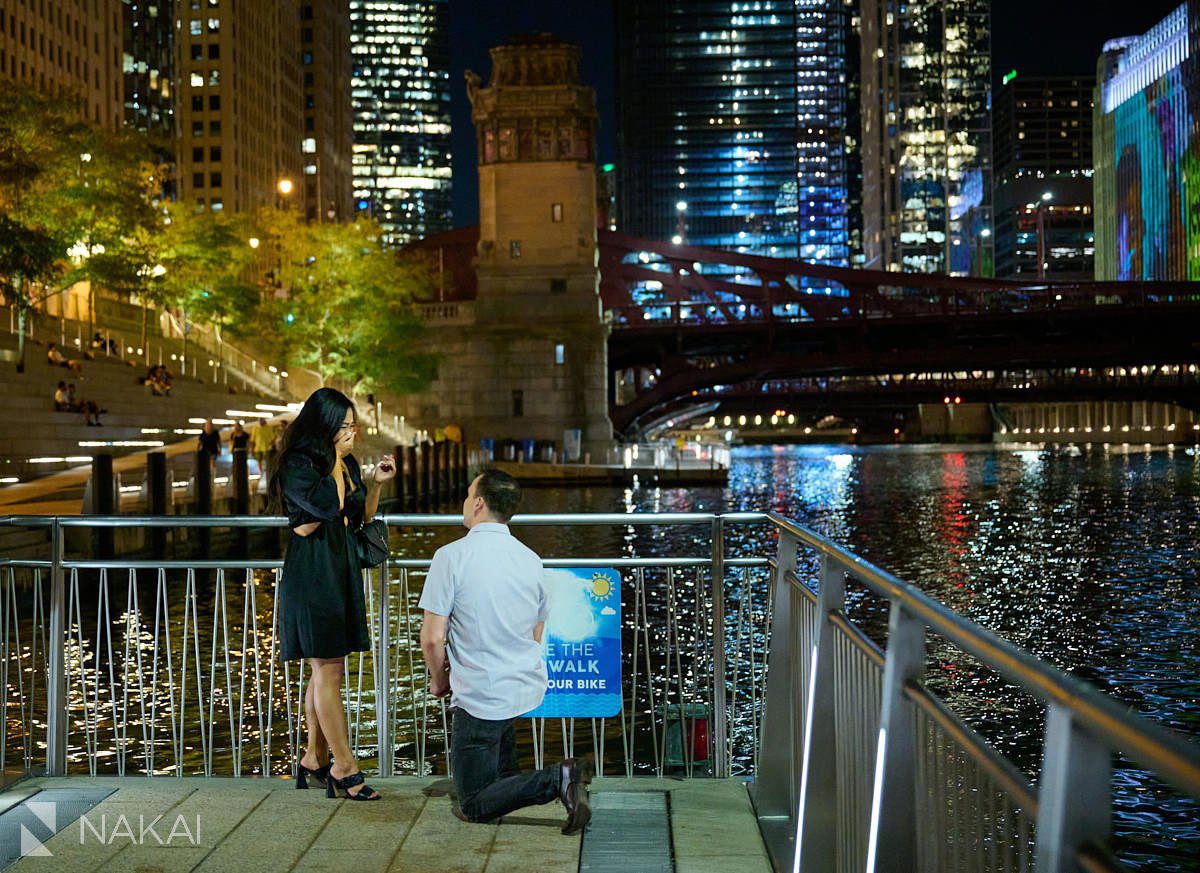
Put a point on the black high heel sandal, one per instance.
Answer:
(320, 775)
(348, 783)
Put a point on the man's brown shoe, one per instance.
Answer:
(577, 774)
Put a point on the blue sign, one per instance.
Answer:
(582, 644)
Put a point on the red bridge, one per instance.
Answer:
(696, 328)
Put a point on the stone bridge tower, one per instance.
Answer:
(528, 359)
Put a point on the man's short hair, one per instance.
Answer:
(501, 493)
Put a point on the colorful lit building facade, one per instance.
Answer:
(1147, 158)
(401, 104)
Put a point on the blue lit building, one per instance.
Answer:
(401, 105)
(733, 125)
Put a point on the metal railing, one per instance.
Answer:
(126, 666)
(864, 768)
(732, 664)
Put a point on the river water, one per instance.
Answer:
(1085, 557)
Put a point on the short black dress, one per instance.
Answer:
(322, 610)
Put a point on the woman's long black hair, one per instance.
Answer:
(312, 433)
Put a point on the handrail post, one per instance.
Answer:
(1075, 765)
(892, 843)
(816, 833)
(383, 675)
(775, 782)
(56, 686)
(719, 712)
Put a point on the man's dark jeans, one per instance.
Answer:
(489, 782)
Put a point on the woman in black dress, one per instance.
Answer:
(323, 616)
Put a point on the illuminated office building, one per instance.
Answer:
(1043, 195)
(68, 47)
(148, 66)
(926, 135)
(732, 125)
(401, 106)
(328, 132)
(1146, 154)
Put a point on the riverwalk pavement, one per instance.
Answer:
(254, 825)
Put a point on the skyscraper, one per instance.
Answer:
(1146, 155)
(148, 62)
(732, 125)
(328, 132)
(401, 102)
(1043, 154)
(238, 109)
(926, 135)
(72, 47)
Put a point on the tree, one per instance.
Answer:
(344, 306)
(36, 135)
(205, 259)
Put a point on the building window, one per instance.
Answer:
(197, 128)
(214, 180)
(306, 58)
(214, 78)
(214, 25)
(306, 34)
(197, 80)
(217, 205)
(214, 51)
(196, 27)
(214, 102)
(309, 146)
(560, 354)
(197, 180)
(197, 51)
(309, 123)
(518, 404)
(306, 13)
(214, 154)
(514, 248)
(197, 103)
(308, 80)
(214, 128)
(198, 154)
(556, 212)
(558, 286)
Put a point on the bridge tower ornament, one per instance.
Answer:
(539, 336)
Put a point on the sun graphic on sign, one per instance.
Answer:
(601, 588)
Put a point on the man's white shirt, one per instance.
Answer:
(491, 587)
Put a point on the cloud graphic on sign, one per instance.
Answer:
(608, 610)
(571, 617)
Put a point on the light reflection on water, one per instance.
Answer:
(1088, 559)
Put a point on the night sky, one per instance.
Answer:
(1031, 36)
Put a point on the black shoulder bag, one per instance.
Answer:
(372, 541)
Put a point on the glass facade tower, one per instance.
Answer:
(401, 104)
(732, 125)
(926, 134)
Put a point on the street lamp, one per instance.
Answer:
(284, 186)
(253, 242)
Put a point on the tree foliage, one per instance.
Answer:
(343, 307)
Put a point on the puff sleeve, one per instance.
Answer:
(308, 496)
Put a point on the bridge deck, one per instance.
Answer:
(261, 825)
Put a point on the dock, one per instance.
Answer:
(254, 825)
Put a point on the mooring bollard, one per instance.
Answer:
(204, 498)
(104, 502)
(410, 477)
(157, 496)
(426, 474)
(240, 473)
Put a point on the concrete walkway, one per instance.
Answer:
(261, 825)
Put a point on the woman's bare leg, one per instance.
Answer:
(327, 698)
(318, 747)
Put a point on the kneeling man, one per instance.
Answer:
(485, 607)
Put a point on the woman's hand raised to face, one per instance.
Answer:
(385, 470)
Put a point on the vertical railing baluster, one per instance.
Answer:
(720, 732)
(892, 841)
(775, 787)
(816, 811)
(1075, 765)
(383, 677)
(56, 690)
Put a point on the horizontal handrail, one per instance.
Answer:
(1175, 759)
(405, 563)
(392, 520)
